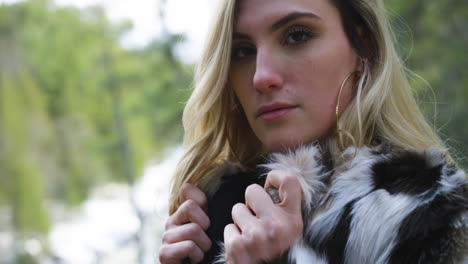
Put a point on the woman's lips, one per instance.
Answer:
(274, 111)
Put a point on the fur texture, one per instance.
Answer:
(379, 205)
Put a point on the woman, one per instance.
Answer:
(361, 176)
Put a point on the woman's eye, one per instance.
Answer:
(297, 36)
(242, 51)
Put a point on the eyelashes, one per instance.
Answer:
(242, 50)
(293, 36)
(297, 35)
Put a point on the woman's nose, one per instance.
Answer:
(267, 77)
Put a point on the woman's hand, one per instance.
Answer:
(185, 235)
(263, 231)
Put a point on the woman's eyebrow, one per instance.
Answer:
(293, 16)
(278, 24)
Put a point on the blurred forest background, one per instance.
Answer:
(78, 110)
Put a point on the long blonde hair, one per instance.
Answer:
(383, 106)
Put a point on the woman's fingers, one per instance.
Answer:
(230, 233)
(189, 231)
(290, 191)
(191, 192)
(189, 212)
(263, 230)
(184, 237)
(236, 250)
(176, 252)
(258, 200)
(242, 216)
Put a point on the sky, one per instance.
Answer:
(190, 17)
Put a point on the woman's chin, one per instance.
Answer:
(284, 146)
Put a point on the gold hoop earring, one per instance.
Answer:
(340, 131)
(337, 109)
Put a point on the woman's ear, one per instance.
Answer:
(360, 64)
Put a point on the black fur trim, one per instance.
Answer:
(333, 246)
(231, 191)
(427, 234)
(407, 173)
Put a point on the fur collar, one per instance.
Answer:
(378, 205)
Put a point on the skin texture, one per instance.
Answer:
(185, 230)
(301, 63)
(262, 230)
(290, 57)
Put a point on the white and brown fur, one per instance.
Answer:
(379, 205)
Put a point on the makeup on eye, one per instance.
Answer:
(293, 29)
(296, 35)
(293, 35)
(242, 50)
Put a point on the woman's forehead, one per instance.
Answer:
(252, 12)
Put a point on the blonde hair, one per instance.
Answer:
(383, 106)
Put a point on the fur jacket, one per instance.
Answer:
(369, 205)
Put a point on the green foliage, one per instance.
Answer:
(77, 109)
(19, 178)
(26, 259)
(434, 41)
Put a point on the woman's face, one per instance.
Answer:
(289, 59)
